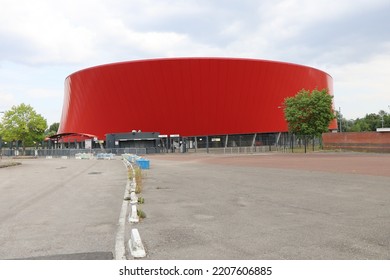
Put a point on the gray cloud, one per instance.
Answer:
(352, 38)
(347, 38)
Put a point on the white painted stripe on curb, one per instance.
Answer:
(133, 198)
(137, 249)
(120, 250)
(132, 187)
(120, 247)
(135, 244)
(133, 218)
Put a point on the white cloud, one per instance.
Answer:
(44, 93)
(75, 31)
(82, 32)
(117, 34)
(49, 35)
(45, 34)
(362, 88)
(6, 100)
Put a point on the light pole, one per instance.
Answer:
(340, 119)
(292, 134)
(383, 120)
(382, 114)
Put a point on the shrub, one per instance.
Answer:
(141, 214)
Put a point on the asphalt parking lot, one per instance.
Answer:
(268, 206)
(60, 209)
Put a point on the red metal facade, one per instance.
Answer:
(186, 96)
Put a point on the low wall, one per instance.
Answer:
(378, 142)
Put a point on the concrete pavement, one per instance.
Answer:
(199, 209)
(60, 209)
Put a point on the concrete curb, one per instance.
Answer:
(137, 249)
(120, 248)
(133, 198)
(135, 245)
(133, 217)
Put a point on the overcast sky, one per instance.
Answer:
(43, 41)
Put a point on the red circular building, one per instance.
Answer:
(185, 96)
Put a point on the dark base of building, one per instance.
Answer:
(151, 143)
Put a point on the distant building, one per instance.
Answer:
(231, 101)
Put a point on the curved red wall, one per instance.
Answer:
(186, 96)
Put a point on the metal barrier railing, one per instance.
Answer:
(247, 144)
(72, 152)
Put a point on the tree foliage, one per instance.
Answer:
(309, 113)
(22, 123)
(369, 123)
(53, 128)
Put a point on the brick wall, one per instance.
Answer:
(358, 141)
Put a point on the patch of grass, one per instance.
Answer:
(138, 189)
(141, 214)
(9, 164)
(130, 174)
(141, 200)
(138, 180)
(25, 157)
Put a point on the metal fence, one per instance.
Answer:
(251, 143)
(72, 152)
(218, 144)
(254, 150)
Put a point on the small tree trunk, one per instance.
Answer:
(292, 143)
(23, 149)
(313, 143)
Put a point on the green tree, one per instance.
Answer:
(22, 123)
(371, 122)
(359, 125)
(308, 114)
(344, 125)
(53, 128)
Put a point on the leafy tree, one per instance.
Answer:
(359, 125)
(53, 128)
(370, 122)
(373, 121)
(309, 113)
(22, 123)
